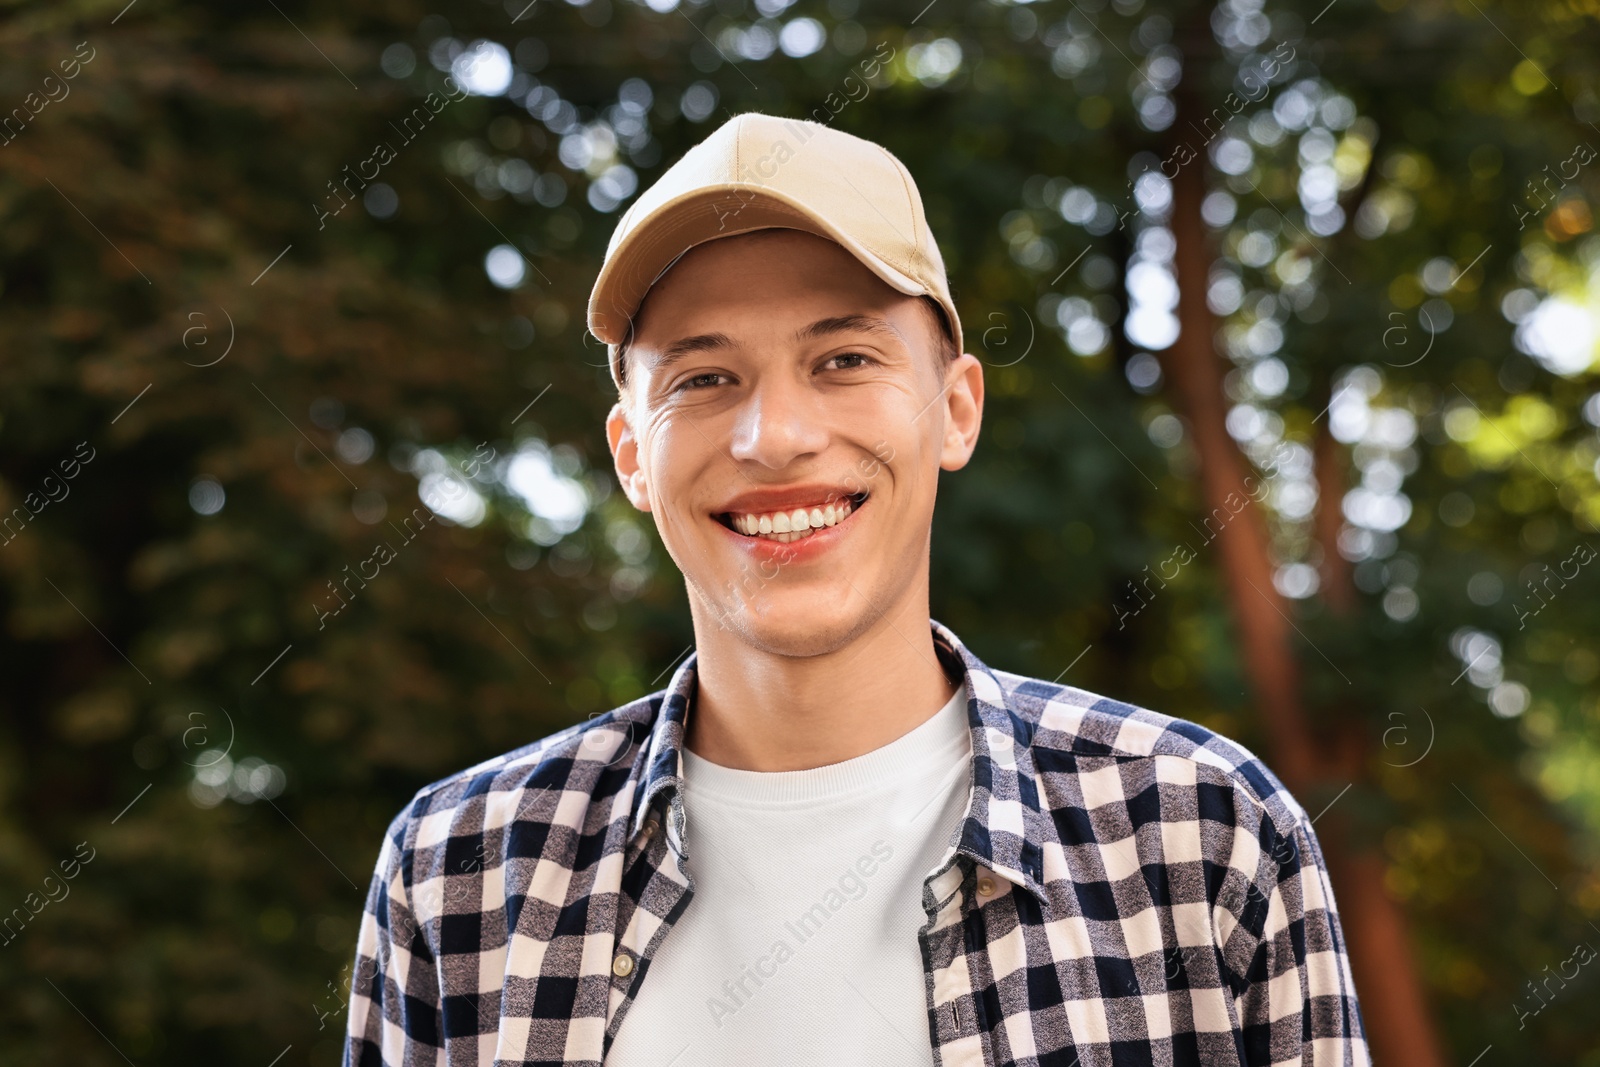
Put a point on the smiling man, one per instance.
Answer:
(836, 836)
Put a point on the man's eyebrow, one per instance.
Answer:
(849, 324)
(687, 346)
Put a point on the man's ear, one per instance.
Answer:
(963, 411)
(625, 454)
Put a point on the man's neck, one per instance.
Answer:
(759, 711)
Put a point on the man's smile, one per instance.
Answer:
(792, 524)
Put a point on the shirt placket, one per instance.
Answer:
(646, 929)
(959, 1030)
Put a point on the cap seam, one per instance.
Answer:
(738, 150)
(911, 201)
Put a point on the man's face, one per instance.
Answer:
(786, 418)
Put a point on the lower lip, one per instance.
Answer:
(801, 551)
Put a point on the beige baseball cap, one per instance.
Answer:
(759, 172)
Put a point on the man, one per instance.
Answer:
(836, 836)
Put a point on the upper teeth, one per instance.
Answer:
(784, 522)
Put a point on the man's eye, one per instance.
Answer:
(699, 381)
(848, 360)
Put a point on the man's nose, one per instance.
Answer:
(779, 421)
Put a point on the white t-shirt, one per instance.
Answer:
(800, 945)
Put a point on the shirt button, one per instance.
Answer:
(986, 886)
(622, 966)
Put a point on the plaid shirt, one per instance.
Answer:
(1160, 899)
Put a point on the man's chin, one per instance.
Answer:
(796, 625)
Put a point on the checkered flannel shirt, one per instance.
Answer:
(1163, 899)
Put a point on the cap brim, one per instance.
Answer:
(647, 252)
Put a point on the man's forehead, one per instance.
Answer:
(707, 284)
(772, 250)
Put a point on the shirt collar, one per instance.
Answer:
(1004, 828)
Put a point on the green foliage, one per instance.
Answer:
(179, 204)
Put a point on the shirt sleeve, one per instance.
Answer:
(394, 991)
(1293, 991)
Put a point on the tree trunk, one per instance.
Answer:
(1400, 1029)
(1380, 946)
